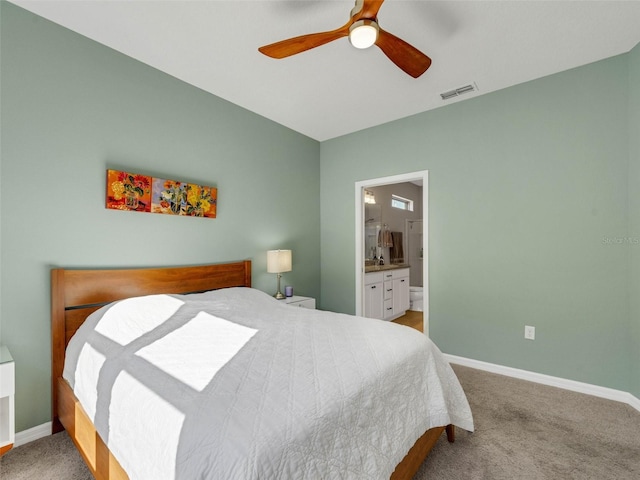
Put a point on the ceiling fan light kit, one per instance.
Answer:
(363, 31)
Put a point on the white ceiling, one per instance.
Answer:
(335, 89)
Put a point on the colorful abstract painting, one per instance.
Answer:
(168, 197)
(201, 201)
(127, 191)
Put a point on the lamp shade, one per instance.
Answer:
(278, 261)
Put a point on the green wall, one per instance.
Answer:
(72, 108)
(634, 213)
(527, 202)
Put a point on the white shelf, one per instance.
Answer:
(7, 406)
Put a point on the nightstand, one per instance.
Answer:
(7, 392)
(298, 301)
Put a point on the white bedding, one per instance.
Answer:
(232, 384)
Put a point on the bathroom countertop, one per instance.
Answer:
(381, 268)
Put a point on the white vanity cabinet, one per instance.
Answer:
(386, 293)
(373, 295)
(401, 294)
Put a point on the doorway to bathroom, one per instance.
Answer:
(392, 230)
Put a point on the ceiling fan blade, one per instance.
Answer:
(405, 56)
(369, 9)
(291, 46)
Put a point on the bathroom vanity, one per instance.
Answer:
(386, 291)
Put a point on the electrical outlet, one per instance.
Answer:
(529, 332)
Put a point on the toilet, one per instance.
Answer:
(416, 301)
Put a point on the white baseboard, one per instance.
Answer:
(26, 436)
(589, 389)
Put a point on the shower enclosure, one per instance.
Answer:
(414, 252)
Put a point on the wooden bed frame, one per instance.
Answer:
(75, 294)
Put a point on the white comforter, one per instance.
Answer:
(233, 384)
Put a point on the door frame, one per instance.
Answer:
(422, 175)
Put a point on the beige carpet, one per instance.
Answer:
(523, 431)
(526, 430)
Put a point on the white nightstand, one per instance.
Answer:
(7, 392)
(298, 301)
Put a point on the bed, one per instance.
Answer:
(240, 386)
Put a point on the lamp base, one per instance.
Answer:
(279, 295)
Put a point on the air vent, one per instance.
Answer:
(459, 91)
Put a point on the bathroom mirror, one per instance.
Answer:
(372, 226)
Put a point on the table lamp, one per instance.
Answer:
(279, 261)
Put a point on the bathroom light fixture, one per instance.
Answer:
(363, 33)
(279, 261)
(369, 197)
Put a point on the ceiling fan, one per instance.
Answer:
(363, 31)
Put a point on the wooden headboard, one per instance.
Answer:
(75, 294)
